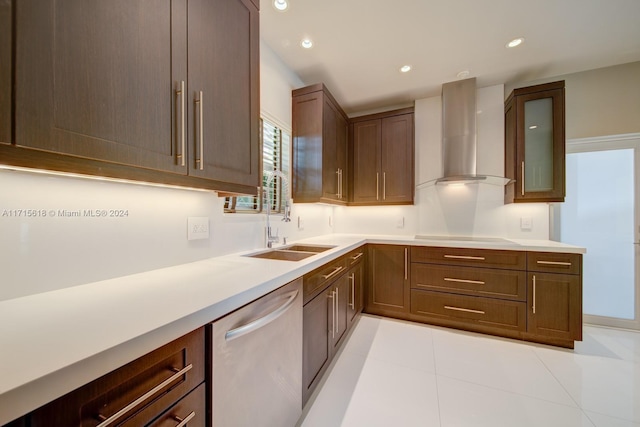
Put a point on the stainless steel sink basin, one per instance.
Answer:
(307, 248)
(291, 253)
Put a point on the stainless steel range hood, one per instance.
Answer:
(459, 144)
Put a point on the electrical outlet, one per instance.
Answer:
(300, 223)
(197, 228)
(400, 222)
(330, 221)
(526, 223)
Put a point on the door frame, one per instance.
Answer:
(605, 143)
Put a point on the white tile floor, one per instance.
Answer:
(399, 374)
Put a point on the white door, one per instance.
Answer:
(601, 214)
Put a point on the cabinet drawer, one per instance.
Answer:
(191, 408)
(164, 376)
(468, 310)
(505, 284)
(354, 257)
(554, 262)
(512, 260)
(315, 281)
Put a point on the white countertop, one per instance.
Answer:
(54, 342)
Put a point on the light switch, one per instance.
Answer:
(197, 227)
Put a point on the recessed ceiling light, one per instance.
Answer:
(533, 127)
(463, 74)
(405, 68)
(281, 5)
(306, 43)
(515, 42)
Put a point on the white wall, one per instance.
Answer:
(45, 253)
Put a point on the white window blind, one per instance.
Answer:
(275, 157)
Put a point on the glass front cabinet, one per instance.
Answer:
(535, 144)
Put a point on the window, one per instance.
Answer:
(276, 156)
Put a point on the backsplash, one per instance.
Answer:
(62, 231)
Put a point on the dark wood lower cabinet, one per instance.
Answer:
(535, 296)
(388, 280)
(315, 337)
(328, 316)
(179, 365)
(555, 308)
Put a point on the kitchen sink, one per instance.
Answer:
(307, 248)
(291, 253)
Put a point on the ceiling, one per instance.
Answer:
(359, 45)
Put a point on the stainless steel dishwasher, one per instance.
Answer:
(256, 362)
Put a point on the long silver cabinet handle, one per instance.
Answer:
(338, 183)
(384, 186)
(554, 263)
(113, 418)
(263, 321)
(466, 310)
(377, 186)
(533, 306)
(333, 313)
(476, 258)
(181, 156)
(522, 180)
(337, 304)
(474, 282)
(333, 273)
(352, 278)
(200, 160)
(184, 421)
(406, 263)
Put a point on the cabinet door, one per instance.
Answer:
(555, 306)
(307, 147)
(397, 159)
(355, 302)
(101, 79)
(388, 289)
(342, 131)
(315, 341)
(535, 144)
(366, 162)
(330, 187)
(5, 71)
(340, 299)
(223, 91)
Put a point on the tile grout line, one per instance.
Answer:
(435, 374)
(558, 381)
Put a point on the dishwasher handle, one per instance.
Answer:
(262, 321)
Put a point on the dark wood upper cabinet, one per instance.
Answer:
(6, 38)
(535, 144)
(167, 86)
(382, 165)
(223, 68)
(319, 147)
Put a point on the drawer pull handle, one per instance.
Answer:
(475, 282)
(333, 273)
(357, 256)
(477, 258)
(144, 397)
(183, 421)
(554, 263)
(262, 321)
(466, 310)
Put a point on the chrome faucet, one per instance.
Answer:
(270, 237)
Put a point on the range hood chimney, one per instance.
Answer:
(459, 145)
